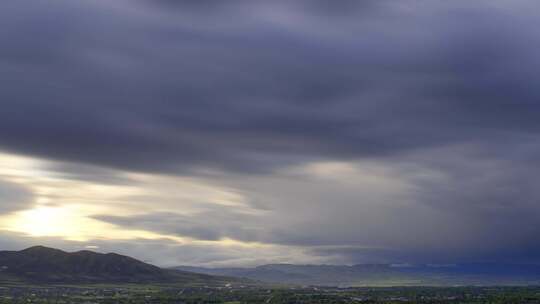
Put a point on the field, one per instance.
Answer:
(242, 294)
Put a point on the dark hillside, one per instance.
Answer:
(47, 265)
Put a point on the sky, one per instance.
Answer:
(246, 132)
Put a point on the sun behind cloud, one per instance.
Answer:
(48, 221)
(69, 223)
(63, 207)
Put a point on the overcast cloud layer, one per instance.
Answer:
(322, 131)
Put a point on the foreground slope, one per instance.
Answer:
(47, 265)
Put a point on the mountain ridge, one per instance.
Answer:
(44, 265)
(383, 274)
(40, 264)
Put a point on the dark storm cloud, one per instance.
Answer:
(137, 86)
(455, 207)
(256, 86)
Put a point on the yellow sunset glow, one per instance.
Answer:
(43, 221)
(52, 222)
(67, 223)
(64, 208)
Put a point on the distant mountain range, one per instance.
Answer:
(384, 274)
(47, 265)
(44, 265)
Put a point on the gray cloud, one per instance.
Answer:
(142, 91)
(14, 197)
(88, 173)
(456, 207)
(214, 224)
(442, 93)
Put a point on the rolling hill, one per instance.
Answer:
(47, 265)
